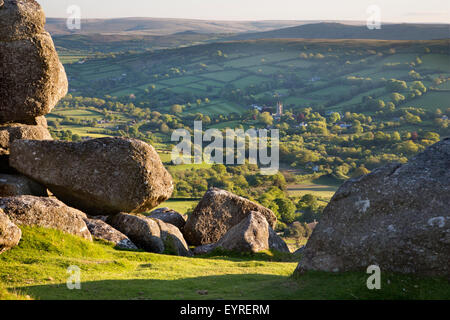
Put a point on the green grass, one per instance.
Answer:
(400, 58)
(439, 62)
(264, 70)
(67, 59)
(84, 131)
(38, 268)
(322, 191)
(432, 101)
(224, 76)
(217, 107)
(444, 86)
(248, 81)
(180, 81)
(78, 113)
(184, 167)
(123, 92)
(181, 206)
(165, 157)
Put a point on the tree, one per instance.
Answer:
(414, 75)
(410, 118)
(408, 147)
(334, 117)
(397, 97)
(360, 171)
(164, 128)
(418, 85)
(266, 118)
(394, 85)
(176, 108)
(433, 136)
(286, 210)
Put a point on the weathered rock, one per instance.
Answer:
(101, 230)
(32, 77)
(20, 19)
(250, 235)
(204, 249)
(106, 175)
(173, 239)
(10, 234)
(144, 232)
(15, 131)
(276, 243)
(18, 185)
(299, 251)
(218, 212)
(45, 212)
(396, 217)
(169, 216)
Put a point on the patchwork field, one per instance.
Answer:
(255, 69)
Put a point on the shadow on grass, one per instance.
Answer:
(267, 255)
(312, 285)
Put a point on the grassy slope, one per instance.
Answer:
(37, 267)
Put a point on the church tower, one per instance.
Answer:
(279, 109)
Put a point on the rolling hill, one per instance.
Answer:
(160, 26)
(345, 31)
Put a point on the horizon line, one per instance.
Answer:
(252, 20)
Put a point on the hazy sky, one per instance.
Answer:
(391, 10)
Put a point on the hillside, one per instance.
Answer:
(121, 35)
(345, 31)
(74, 47)
(161, 26)
(319, 67)
(44, 255)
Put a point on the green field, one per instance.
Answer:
(37, 269)
(321, 191)
(78, 113)
(432, 100)
(436, 61)
(181, 206)
(217, 107)
(254, 65)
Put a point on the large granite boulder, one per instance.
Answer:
(169, 216)
(18, 185)
(250, 235)
(32, 77)
(173, 239)
(101, 230)
(15, 131)
(276, 243)
(152, 235)
(10, 234)
(99, 176)
(20, 19)
(45, 212)
(396, 217)
(218, 212)
(144, 232)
